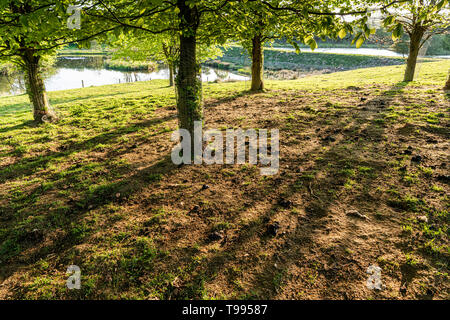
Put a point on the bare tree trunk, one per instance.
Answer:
(171, 74)
(168, 53)
(414, 46)
(188, 80)
(447, 84)
(257, 64)
(35, 88)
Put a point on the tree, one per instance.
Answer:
(31, 31)
(195, 21)
(420, 19)
(25, 29)
(256, 23)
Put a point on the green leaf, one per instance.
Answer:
(312, 44)
(297, 48)
(342, 33)
(397, 32)
(440, 5)
(359, 42)
(388, 21)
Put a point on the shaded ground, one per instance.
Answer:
(99, 191)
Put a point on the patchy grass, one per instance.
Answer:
(99, 190)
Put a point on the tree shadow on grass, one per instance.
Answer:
(68, 220)
(337, 267)
(296, 244)
(26, 124)
(28, 166)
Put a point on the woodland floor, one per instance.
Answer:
(99, 190)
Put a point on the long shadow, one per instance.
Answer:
(316, 217)
(90, 200)
(217, 102)
(30, 165)
(95, 96)
(26, 124)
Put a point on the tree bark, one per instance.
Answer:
(35, 88)
(447, 84)
(188, 79)
(170, 74)
(414, 46)
(168, 53)
(257, 64)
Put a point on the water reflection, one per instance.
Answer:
(81, 62)
(86, 71)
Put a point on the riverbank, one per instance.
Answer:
(280, 61)
(123, 65)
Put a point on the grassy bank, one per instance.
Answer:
(98, 190)
(236, 58)
(83, 52)
(124, 65)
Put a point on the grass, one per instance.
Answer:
(124, 65)
(98, 190)
(83, 52)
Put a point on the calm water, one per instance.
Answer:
(73, 72)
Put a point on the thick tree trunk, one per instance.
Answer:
(447, 84)
(188, 80)
(257, 64)
(414, 46)
(35, 88)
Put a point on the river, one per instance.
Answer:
(76, 72)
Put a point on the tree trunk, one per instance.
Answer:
(414, 46)
(188, 80)
(257, 64)
(167, 50)
(447, 84)
(170, 74)
(35, 89)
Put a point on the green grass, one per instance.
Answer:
(130, 65)
(83, 52)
